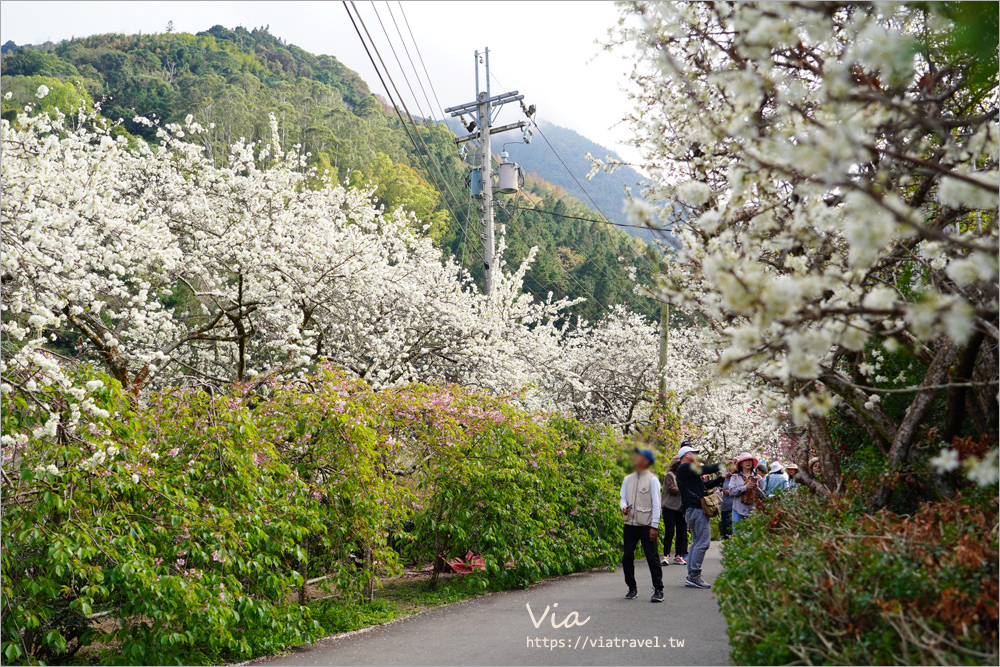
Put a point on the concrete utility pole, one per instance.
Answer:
(664, 333)
(664, 340)
(486, 207)
(481, 128)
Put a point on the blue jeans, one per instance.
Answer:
(701, 536)
(737, 517)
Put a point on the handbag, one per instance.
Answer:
(750, 496)
(711, 505)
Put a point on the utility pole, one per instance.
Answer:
(481, 128)
(664, 339)
(486, 205)
(664, 333)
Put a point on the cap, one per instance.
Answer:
(650, 456)
(687, 449)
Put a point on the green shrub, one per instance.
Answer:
(184, 529)
(176, 521)
(808, 581)
(533, 497)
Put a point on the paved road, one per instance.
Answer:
(497, 629)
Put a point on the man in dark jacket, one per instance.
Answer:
(693, 487)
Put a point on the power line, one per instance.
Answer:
(600, 268)
(420, 57)
(576, 217)
(607, 276)
(406, 50)
(396, 107)
(429, 154)
(584, 190)
(392, 48)
(606, 220)
(444, 181)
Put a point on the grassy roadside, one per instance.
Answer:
(396, 599)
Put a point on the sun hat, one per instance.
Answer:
(650, 456)
(776, 466)
(792, 466)
(743, 457)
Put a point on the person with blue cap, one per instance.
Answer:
(640, 505)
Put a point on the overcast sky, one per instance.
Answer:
(546, 50)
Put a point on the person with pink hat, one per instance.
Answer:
(745, 487)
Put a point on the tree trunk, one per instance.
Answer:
(936, 374)
(955, 412)
(833, 479)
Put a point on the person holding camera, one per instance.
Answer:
(697, 503)
(746, 488)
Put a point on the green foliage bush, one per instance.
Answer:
(176, 520)
(182, 528)
(811, 581)
(532, 497)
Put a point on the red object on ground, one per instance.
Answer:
(470, 563)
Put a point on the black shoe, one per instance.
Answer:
(657, 596)
(631, 594)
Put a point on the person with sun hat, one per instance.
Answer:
(746, 487)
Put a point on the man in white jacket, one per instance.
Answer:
(640, 505)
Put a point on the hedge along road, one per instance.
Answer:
(497, 629)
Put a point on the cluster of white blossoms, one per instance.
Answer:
(158, 266)
(835, 175)
(615, 371)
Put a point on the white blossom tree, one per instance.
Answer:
(161, 266)
(835, 172)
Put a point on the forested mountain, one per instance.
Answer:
(231, 80)
(607, 190)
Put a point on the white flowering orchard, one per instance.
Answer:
(836, 166)
(157, 266)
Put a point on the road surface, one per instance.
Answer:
(497, 629)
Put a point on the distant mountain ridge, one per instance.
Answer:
(607, 190)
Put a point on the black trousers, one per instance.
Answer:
(674, 523)
(633, 536)
(726, 524)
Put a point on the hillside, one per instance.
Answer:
(607, 190)
(231, 80)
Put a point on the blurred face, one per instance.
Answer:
(730, 465)
(746, 465)
(688, 458)
(640, 462)
(791, 471)
(815, 468)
